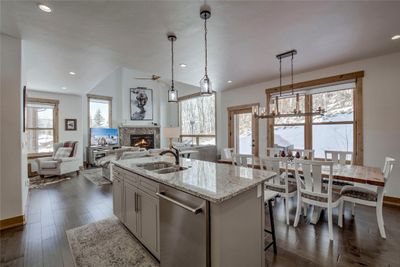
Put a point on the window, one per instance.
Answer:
(99, 111)
(289, 131)
(339, 129)
(41, 125)
(197, 119)
(334, 130)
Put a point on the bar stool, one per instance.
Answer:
(269, 196)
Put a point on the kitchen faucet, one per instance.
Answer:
(176, 154)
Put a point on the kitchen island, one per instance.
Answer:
(196, 214)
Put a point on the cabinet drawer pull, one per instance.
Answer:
(193, 210)
(136, 206)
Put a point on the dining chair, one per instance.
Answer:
(310, 190)
(304, 153)
(227, 153)
(339, 157)
(243, 160)
(272, 152)
(343, 158)
(280, 183)
(364, 196)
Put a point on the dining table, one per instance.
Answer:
(349, 173)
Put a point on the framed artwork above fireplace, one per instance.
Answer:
(141, 104)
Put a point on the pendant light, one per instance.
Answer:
(172, 93)
(205, 83)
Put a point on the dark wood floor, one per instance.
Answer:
(50, 212)
(76, 202)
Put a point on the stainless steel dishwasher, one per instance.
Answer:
(184, 229)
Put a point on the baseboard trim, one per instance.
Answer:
(12, 222)
(393, 201)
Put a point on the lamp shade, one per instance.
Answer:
(171, 132)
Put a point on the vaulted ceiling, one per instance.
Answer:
(92, 38)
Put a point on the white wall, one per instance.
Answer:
(12, 175)
(381, 94)
(70, 107)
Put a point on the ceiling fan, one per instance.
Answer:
(153, 78)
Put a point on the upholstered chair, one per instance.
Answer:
(60, 163)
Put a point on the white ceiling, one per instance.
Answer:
(93, 38)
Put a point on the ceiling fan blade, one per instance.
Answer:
(153, 77)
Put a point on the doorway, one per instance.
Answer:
(243, 130)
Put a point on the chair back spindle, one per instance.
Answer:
(339, 157)
(243, 160)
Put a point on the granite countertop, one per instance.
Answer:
(211, 181)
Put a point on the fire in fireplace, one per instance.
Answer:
(142, 140)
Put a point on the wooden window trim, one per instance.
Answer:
(55, 124)
(195, 95)
(358, 147)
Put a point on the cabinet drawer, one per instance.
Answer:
(117, 171)
(148, 186)
(132, 178)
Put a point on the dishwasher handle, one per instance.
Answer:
(193, 210)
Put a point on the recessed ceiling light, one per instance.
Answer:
(229, 81)
(64, 88)
(72, 73)
(395, 37)
(44, 8)
(182, 65)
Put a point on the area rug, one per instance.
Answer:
(95, 176)
(107, 243)
(38, 182)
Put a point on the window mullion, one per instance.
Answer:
(308, 123)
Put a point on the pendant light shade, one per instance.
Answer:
(172, 93)
(205, 86)
(205, 82)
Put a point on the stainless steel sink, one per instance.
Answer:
(155, 165)
(170, 169)
(162, 167)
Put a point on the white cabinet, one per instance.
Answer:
(137, 206)
(118, 195)
(131, 208)
(149, 221)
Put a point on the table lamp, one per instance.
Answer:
(171, 132)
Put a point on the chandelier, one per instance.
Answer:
(263, 113)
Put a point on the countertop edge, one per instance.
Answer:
(186, 190)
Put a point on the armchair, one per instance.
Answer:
(51, 166)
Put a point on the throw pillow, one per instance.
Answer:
(70, 144)
(63, 152)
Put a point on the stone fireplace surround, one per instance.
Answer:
(125, 133)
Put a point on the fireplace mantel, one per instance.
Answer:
(125, 132)
(138, 126)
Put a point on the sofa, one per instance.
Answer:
(119, 154)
